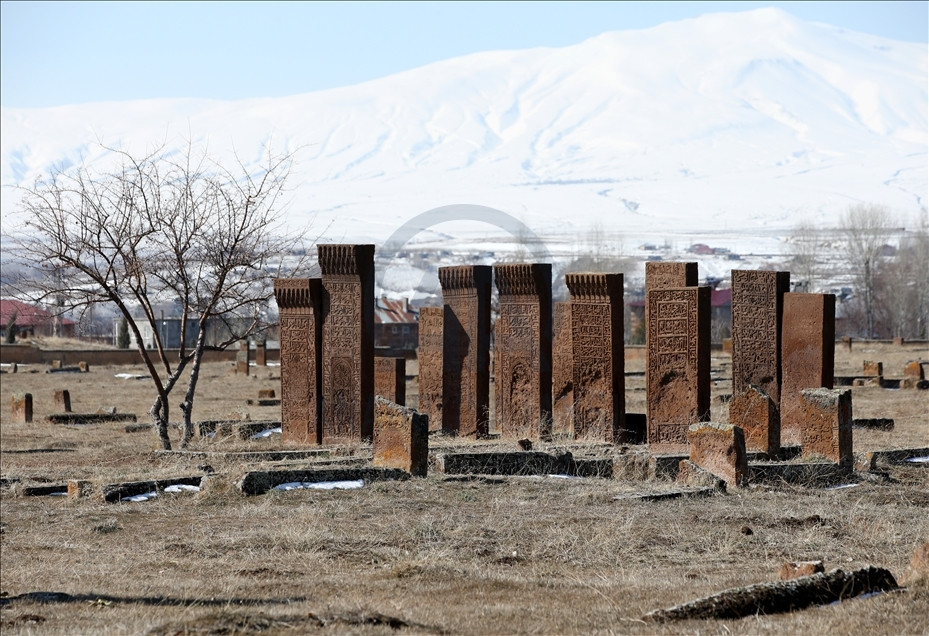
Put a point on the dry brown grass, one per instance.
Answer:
(503, 555)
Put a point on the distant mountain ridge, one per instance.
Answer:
(747, 121)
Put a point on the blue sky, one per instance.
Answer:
(58, 53)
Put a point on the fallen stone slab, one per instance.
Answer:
(138, 428)
(812, 474)
(261, 481)
(796, 569)
(241, 429)
(874, 423)
(666, 496)
(246, 456)
(45, 490)
(89, 418)
(780, 596)
(897, 456)
(522, 463)
(115, 492)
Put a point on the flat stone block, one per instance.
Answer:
(719, 449)
(261, 481)
(827, 424)
(401, 438)
(21, 407)
(690, 474)
(756, 414)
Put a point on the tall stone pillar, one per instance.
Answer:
(429, 358)
(348, 342)
(562, 370)
(757, 312)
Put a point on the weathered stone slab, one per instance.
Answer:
(871, 368)
(757, 310)
(809, 474)
(663, 275)
(348, 342)
(89, 418)
(719, 449)
(242, 358)
(261, 481)
(113, 493)
(807, 355)
(63, 400)
(522, 463)
(874, 423)
(242, 429)
(401, 438)
(266, 394)
(390, 379)
(261, 354)
(299, 302)
(827, 432)
(691, 474)
(21, 407)
(598, 356)
(678, 365)
(466, 350)
(562, 371)
(79, 488)
(429, 357)
(755, 413)
(523, 349)
(794, 570)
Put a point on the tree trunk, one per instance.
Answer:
(159, 416)
(188, 405)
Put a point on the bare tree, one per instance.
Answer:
(806, 255)
(161, 229)
(901, 286)
(866, 228)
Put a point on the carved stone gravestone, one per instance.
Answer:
(348, 342)
(63, 400)
(827, 430)
(299, 301)
(390, 379)
(678, 365)
(562, 371)
(660, 275)
(523, 350)
(401, 438)
(261, 353)
(21, 407)
(598, 356)
(242, 358)
(807, 356)
(466, 350)
(429, 357)
(754, 412)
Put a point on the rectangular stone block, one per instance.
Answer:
(663, 275)
(21, 406)
(299, 302)
(266, 394)
(871, 368)
(62, 400)
(827, 430)
(429, 357)
(678, 366)
(242, 358)
(719, 449)
(401, 438)
(562, 371)
(348, 342)
(754, 412)
(523, 349)
(757, 312)
(261, 354)
(598, 356)
(466, 350)
(807, 356)
(913, 370)
(390, 379)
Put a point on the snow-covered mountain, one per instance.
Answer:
(744, 123)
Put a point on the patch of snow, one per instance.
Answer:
(146, 496)
(918, 460)
(131, 376)
(841, 486)
(321, 485)
(182, 488)
(268, 432)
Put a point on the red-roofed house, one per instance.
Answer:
(32, 320)
(396, 324)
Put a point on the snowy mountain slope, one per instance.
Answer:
(735, 121)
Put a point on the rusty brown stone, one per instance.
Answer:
(678, 365)
(598, 356)
(871, 368)
(754, 412)
(261, 354)
(523, 350)
(914, 370)
(918, 572)
(266, 394)
(83, 367)
(662, 275)
(562, 371)
(299, 302)
(62, 400)
(719, 449)
(390, 379)
(466, 349)
(757, 310)
(794, 570)
(348, 342)
(827, 429)
(807, 356)
(242, 358)
(429, 358)
(21, 406)
(847, 341)
(401, 438)
(79, 488)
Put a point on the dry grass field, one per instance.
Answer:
(495, 555)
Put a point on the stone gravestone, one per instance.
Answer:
(63, 400)
(21, 405)
(678, 365)
(242, 358)
(660, 275)
(807, 356)
(562, 370)
(401, 438)
(523, 350)
(390, 379)
(598, 356)
(757, 311)
(754, 412)
(827, 430)
(348, 342)
(299, 302)
(429, 358)
(261, 354)
(466, 349)
(719, 449)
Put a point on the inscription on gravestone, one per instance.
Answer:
(348, 342)
(299, 302)
(757, 310)
(466, 349)
(562, 370)
(678, 365)
(598, 355)
(807, 356)
(523, 350)
(429, 357)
